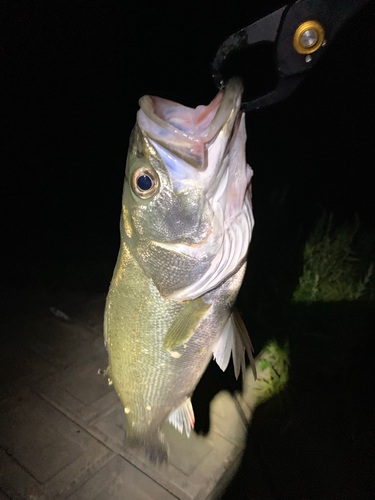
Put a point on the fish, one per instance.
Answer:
(185, 227)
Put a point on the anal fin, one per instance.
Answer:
(183, 416)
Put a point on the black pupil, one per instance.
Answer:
(144, 182)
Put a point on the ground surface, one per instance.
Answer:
(62, 426)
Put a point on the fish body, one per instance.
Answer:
(185, 229)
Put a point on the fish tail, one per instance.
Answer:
(153, 446)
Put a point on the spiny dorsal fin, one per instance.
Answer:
(185, 324)
(182, 417)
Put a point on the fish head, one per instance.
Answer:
(187, 212)
(159, 210)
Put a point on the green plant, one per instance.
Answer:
(275, 359)
(332, 270)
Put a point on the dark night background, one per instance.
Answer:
(73, 72)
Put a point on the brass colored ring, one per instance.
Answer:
(302, 28)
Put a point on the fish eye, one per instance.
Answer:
(144, 182)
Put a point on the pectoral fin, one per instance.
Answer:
(234, 339)
(185, 324)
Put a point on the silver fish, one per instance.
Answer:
(186, 226)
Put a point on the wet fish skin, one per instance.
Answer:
(181, 264)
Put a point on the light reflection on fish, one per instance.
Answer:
(185, 229)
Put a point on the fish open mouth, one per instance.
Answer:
(187, 132)
(189, 120)
(204, 148)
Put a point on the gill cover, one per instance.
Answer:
(194, 229)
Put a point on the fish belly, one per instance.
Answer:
(150, 381)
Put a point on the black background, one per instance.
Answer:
(72, 74)
(74, 71)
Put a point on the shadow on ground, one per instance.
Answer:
(313, 441)
(316, 439)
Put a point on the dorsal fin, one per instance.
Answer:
(234, 339)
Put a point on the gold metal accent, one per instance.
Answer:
(154, 178)
(298, 43)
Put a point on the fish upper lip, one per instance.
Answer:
(158, 119)
(224, 103)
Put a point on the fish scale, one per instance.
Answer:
(170, 306)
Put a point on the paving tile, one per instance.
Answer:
(15, 481)
(79, 391)
(84, 383)
(170, 478)
(223, 455)
(186, 454)
(195, 462)
(35, 439)
(216, 487)
(48, 446)
(66, 425)
(50, 390)
(61, 344)
(95, 456)
(111, 428)
(99, 408)
(223, 410)
(88, 311)
(119, 480)
(24, 303)
(18, 363)
(203, 460)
